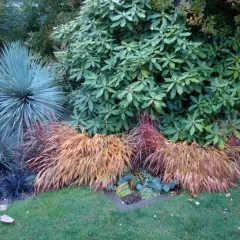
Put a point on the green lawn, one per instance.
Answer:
(80, 214)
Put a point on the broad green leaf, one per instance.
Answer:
(221, 144)
(179, 89)
(129, 97)
(237, 134)
(170, 131)
(216, 139)
(90, 105)
(192, 130)
(235, 74)
(157, 66)
(100, 93)
(175, 137)
(158, 106)
(145, 73)
(116, 17)
(170, 40)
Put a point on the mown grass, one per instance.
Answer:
(80, 214)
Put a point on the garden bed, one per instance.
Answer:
(119, 203)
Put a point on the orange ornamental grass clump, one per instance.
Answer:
(233, 153)
(71, 158)
(197, 169)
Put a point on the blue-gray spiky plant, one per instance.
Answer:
(27, 94)
(10, 155)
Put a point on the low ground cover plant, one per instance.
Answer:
(16, 185)
(139, 185)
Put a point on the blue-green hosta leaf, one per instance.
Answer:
(124, 179)
(110, 187)
(173, 184)
(166, 187)
(139, 187)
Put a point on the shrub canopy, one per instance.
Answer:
(124, 57)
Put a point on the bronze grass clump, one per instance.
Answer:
(71, 158)
(144, 140)
(233, 153)
(197, 169)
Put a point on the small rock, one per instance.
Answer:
(228, 195)
(195, 195)
(6, 219)
(3, 207)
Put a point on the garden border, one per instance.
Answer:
(125, 208)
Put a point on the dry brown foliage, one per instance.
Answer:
(233, 153)
(71, 158)
(197, 169)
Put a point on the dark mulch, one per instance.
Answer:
(132, 198)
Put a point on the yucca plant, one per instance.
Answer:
(197, 169)
(27, 94)
(10, 155)
(72, 158)
(144, 140)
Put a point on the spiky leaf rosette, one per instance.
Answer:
(14, 184)
(9, 154)
(27, 94)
